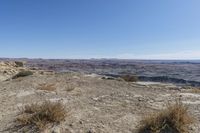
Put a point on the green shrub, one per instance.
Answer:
(22, 74)
(19, 63)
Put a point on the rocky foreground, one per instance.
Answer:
(94, 104)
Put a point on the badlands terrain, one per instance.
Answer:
(186, 72)
(94, 102)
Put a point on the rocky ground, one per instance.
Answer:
(95, 105)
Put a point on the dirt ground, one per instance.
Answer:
(95, 105)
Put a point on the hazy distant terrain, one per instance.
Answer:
(154, 70)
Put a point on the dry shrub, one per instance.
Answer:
(38, 116)
(69, 87)
(174, 119)
(22, 74)
(130, 78)
(195, 90)
(47, 87)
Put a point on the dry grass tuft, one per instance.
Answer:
(38, 116)
(174, 119)
(130, 78)
(69, 87)
(195, 90)
(47, 87)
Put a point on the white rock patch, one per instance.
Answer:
(25, 93)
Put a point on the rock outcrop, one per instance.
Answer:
(9, 69)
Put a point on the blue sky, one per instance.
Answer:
(133, 29)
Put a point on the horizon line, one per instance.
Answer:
(42, 58)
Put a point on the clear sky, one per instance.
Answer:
(138, 29)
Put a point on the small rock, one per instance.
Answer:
(80, 122)
(141, 99)
(91, 131)
(95, 99)
(56, 130)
